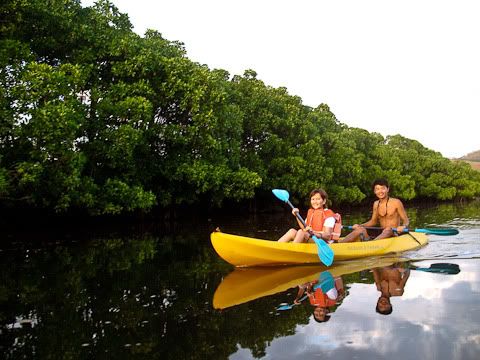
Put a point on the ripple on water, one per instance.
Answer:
(465, 245)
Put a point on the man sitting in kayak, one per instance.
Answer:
(388, 212)
(320, 220)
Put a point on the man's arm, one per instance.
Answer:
(376, 277)
(403, 217)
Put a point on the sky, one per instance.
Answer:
(407, 67)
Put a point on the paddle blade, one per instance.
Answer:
(281, 194)
(442, 268)
(439, 231)
(325, 253)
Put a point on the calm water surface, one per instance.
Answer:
(159, 291)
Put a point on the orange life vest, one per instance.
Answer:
(316, 219)
(318, 298)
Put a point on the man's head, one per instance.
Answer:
(380, 182)
(384, 306)
(381, 188)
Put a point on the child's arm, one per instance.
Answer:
(301, 291)
(295, 211)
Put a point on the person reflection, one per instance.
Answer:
(390, 281)
(323, 294)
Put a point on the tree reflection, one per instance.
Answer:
(115, 295)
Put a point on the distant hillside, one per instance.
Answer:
(473, 159)
(473, 156)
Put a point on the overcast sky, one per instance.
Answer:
(409, 67)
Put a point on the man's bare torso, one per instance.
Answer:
(386, 212)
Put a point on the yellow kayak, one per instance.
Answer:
(247, 284)
(244, 251)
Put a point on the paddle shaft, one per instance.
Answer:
(299, 217)
(350, 227)
(289, 306)
(448, 231)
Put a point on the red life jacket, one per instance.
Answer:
(316, 219)
(337, 229)
(318, 298)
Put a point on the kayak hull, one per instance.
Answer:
(243, 251)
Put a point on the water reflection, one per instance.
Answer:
(324, 294)
(322, 288)
(247, 284)
(148, 294)
(390, 281)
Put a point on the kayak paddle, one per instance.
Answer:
(325, 253)
(289, 306)
(441, 268)
(431, 231)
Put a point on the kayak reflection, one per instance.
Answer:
(390, 274)
(247, 284)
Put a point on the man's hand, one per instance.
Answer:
(401, 229)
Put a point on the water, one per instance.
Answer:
(153, 292)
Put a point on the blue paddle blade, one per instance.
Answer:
(284, 307)
(325, 253)
(441, 268)
(281, 194)
(325, 282)
(432, 231)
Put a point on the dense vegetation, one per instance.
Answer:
(94, 117)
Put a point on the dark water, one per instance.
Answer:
(149, 292)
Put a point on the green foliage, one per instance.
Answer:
(3, 181)
(117, 196)
(97, 118)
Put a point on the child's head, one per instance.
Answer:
(318, 198)
(320, 314)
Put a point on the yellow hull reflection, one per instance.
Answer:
(247, 284)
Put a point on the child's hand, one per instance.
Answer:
(308, 229)
(295, 211)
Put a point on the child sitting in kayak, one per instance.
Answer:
(388, 212)
(320, 220)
